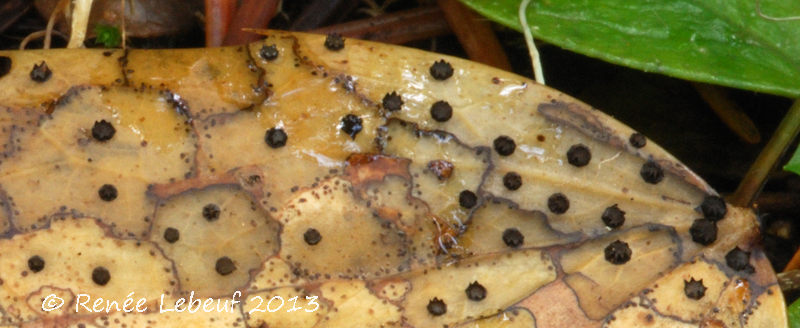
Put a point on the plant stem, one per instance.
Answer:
(534, 53)
(757, 175)
(219, 14)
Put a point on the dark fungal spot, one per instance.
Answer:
(436, 307)
(467, 199)
(103, 131)
(392, 102)
(513, 238)
(101, 276)
(211, 212)
(739, 260)
(334, 42)
(558, 203)
(5, 65)
(618, 253)
(475, 292)
(107, 192)
(613, 217)
(276, 138)
(441, 111)
(351, 125)
(637, 140)
(504, 145)
(41, 73)
(651, 172)
(268, 52)
(694, 289)
(312, 236)
(714, 208)
(703, 231)
(512, 181)
(36, 263)
(225, 266)
(171, 235)
(579, 155)
(441, 70)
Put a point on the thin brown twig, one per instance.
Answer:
(251, 14)
(396, 28)
(729, 112)
(475, 34)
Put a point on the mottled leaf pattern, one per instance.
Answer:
(488, 213)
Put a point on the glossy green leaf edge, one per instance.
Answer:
(794, 314)
(715, 41)
(794, 166)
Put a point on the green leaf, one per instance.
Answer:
(794, 166)
(109, 36)
(715, 41)
(794, 315)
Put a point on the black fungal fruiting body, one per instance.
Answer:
(103, 131)
(171, 235)
(739, 260)
(694, 289)
(704, 231)
(476, 292)
(504, 145)
(467, 199)
(436, 307)
(107, 192)
(651, 172)
(312, 236)
(714, 208)
(441, 111)
(352, 125)
(637, 140)
(579, 155)
(512, 181)
(392, 102)
(334, 42)
(5, 65)
(618, 253)
(558, 203)
(211, 212)
(268, 52)
(513, 238)
(36, 263)
(101, 276)
(276, 138)
(41, 73)
(613, 217)
(441, 70)
(225, 266)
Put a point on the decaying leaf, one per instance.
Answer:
(348, 184)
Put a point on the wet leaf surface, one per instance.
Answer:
(361, 222)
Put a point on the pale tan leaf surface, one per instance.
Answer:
(366, 227)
